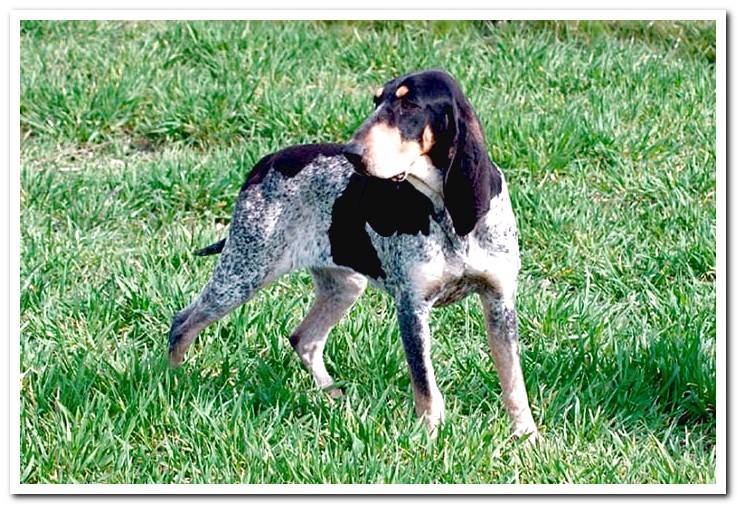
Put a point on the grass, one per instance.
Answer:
(135, 139)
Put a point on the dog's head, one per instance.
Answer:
(424, 127)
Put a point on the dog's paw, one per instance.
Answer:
(432, 422)
(175, 358)
(528, 435)
(432, 413)
(334, 393)
(432, 429)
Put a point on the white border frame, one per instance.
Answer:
(398, 14)
(719, 16)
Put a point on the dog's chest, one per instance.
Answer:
(456, 272)
(434, 266)
(444, 268)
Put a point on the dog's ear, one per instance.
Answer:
(471, 179)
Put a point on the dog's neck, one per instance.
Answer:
(426, 179)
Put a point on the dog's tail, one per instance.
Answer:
(215, 248)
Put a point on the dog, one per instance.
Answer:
(412, 204)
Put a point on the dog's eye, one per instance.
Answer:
(407, 106)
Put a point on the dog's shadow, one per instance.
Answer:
(594, 390)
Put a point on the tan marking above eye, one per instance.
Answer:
(401, 91)
(379, 92)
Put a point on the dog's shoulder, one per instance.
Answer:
(289, 161)
(390, 209)
(496, 234)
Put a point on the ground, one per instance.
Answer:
(135, 139)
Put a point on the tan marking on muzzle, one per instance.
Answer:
(378, 92)
(386, 153)
(401, 91)
(382, 138)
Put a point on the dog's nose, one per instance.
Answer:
(354, 154)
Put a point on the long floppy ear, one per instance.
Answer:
(471, 179)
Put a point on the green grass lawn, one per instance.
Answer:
(135, 139)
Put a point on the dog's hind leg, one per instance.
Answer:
(335, 292)
(237, 277)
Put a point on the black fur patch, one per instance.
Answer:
(388, 207)
(396, 207)
(289, 161)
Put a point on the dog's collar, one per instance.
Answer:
(427, 180)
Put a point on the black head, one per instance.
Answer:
(424, 127)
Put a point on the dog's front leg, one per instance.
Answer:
(501, 325)
(415, 329)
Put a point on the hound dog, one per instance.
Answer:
(412, 203)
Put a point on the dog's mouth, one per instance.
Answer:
(399, 177)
